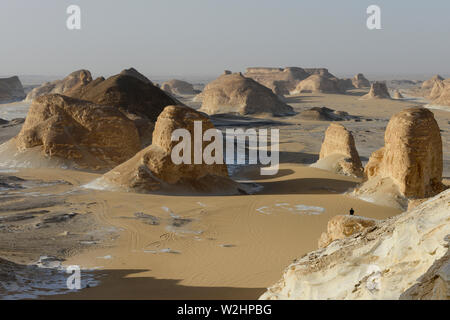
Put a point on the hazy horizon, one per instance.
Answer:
(201, 38)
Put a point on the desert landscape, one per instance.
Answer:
(87, 180)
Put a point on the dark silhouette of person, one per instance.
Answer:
(352, 211)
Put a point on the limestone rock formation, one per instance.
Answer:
(127, 93)
(280, 80)
(359, 81)
(381, 262)
(343, 226)
(378, 90)
(440, 94)
(434, 284)
(234, 93)
(152, 169)
(338, 152)
(11, 90)
(397, 95)
(73, 81)
(412, 154)
(134, 73)
(324, 114)
(178, 87)
(89, 135)
(428, 84)
(319, 83)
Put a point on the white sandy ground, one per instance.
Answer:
(224, 246)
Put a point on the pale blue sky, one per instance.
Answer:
(204, 37)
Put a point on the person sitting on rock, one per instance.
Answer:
(352, 211)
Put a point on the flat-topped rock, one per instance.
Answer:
(11, 90)
(178, 87)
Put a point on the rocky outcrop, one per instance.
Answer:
(88, 135)
(134, 73)
(381, 262)
(434, 284)
(397, 95)
(440, 94)
(74, 81)
(152, 169)
(324, 114)
(11, 90)
(234, 93)
(178, 87)
(343, 226)
(428, 84)
(319, 83)
(412, 154)
(359, 81)
(338, 152)
(280, 80)
(378, 90)
(126, 93)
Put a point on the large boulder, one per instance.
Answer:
(338, 152)
(85, 134)
(73, 81)
(152, 169)
(359, 81)
(178, 87)
(381, 262)
(378, 90)
(234, 93)
(412, 155)
(343, 226)
(11, 90)
(319, 83)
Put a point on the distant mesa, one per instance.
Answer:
(234, 93)
(359, 81)
(324, 114)
(397, 95)
(338, 152)
(152, 169)
(280, 80)
(11, 90)
(178, 87)
(410, 164)
(60, 130)
(378, 90)
(73, 81)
